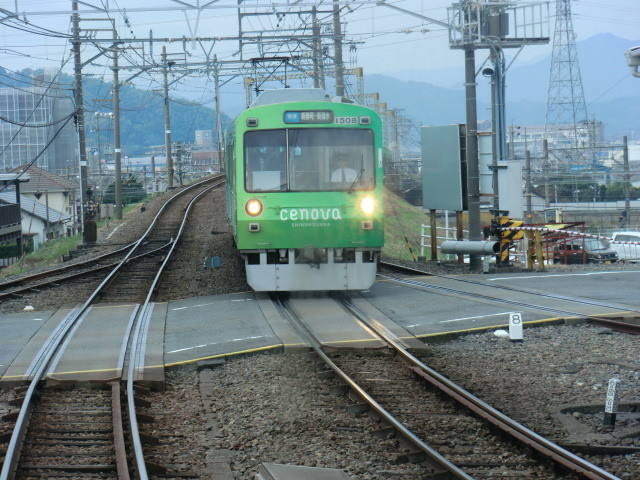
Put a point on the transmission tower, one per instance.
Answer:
(566, 109)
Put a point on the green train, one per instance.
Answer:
(304, 186)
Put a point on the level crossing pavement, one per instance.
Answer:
(199, 329)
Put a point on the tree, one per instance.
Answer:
(132, 192)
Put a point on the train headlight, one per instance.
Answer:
(253, 207)
(367, 205)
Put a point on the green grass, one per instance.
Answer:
(47, 254)
(401, 220)
(50, 252)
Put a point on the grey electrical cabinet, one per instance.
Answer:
(444, 167)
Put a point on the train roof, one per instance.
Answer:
(269, 97)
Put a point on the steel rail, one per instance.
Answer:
(623, 327)
(73, 276)
(135, 361)
(288, 312)
(422, 285)
(118, 432)
(55, 271)
(559, 455)
(48, 350)
(555, 296)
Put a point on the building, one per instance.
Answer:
(39, 223)
(531, 138)
(53, 191)
(28, 107)
(199, 157)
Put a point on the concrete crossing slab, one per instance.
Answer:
(209, 327)
(27, 342)
(331, 323)
(202, 328)
(17, 329)
(94, 351)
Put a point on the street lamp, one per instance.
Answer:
(633, 60)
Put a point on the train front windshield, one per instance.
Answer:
(309, 160)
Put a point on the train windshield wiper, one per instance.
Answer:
(360, 173)
(353, 185)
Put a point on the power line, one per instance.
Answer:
(36, 125)
(43, 149)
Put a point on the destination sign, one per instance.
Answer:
(308, 116)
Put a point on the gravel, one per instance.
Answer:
(267, 408)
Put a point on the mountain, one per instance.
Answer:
(611, 93)
(425, 103)
(604, 71)
(142, 117)
(141, 112)
(432, 105)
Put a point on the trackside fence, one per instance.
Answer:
(518, 252)
(442, 234)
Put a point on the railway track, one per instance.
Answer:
(75, 432)
(622, 324)
(92, 270)
(88, 271)
(46, 416)
(464, 445)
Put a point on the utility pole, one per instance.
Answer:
(79, 100)
(216, 78)
(495, 185)
(337, 45)
(167, 120)
(116, 129)
(473, 168)
(527, 187)
(627, 180)
(316, 47)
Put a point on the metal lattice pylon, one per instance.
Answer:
(566, 109)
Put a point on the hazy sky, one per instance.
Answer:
(385, 40)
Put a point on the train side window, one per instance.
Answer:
(265, 160)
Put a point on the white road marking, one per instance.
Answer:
(474, 318)
(214, 343)
(189, 348)
(208, 304)
(559, 275)
(193, 306)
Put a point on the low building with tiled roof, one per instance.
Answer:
(51, 190)
(38, 222)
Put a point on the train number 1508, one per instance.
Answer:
(346, 120)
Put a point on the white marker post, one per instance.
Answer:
(611, 404)
(515, 327)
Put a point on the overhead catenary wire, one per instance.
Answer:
(44, 149)
(36, 125)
